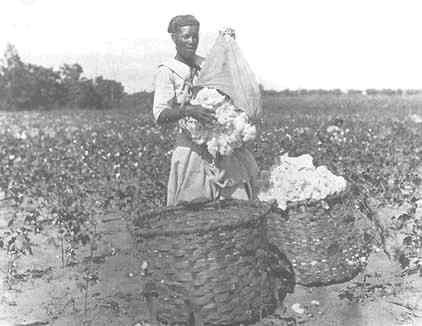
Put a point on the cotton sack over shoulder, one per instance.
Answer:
(226, 69)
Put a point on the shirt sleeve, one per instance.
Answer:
(164, 92)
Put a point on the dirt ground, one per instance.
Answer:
(48, 294)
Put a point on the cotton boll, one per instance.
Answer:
(223, 116)
(225, 149)
(306, 160)
(229, 132)
(239, 124)
(195, 101)
(209, 98)
(295, 179)
(332, 129)
(282, 205)
(323, 170)
(197, 131)
(342, 183)
(249, 133)
(234, 140)
(212, 146)
(316, 195)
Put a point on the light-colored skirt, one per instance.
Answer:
(194, 178)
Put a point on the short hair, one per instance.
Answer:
(181, 20)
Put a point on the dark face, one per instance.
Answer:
(186, 40)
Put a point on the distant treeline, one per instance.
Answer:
(142, 101)
(25, 86)
(337, 91)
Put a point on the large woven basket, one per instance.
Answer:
(209, 262)
(326, 241)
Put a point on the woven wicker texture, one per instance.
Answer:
(208, 261)
(327, 242)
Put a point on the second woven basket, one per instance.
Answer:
(327, 241)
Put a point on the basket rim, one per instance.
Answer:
(292, 205)
(265, 208)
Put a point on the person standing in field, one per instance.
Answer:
(194, 175)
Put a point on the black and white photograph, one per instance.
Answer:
(210, 163)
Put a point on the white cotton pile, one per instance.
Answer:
(296, 179)
(415, 118)
(232, 129)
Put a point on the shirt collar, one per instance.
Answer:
(180, 68)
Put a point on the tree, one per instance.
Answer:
(71, 72)
(71, 84)
(81, 92)
(14, 79)
(27, 86)
(372, 91)
(11, 57)
(44, 87)
(86, 97)
(110, 92)
(354, 92)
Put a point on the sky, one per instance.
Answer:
(288, 43)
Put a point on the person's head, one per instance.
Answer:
(184, 30)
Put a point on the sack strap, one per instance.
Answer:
(188, 84)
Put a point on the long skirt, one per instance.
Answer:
(194, 178)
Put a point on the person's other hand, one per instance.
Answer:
(200, 113)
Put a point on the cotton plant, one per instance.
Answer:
(295, 179)
(231, 130)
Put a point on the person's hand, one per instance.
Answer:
(200, 113)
